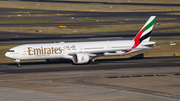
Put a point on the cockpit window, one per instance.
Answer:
(11, 51)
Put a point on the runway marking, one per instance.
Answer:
(141, 75)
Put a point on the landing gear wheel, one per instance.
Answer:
(93, 62)
(18, 65)
(17, 61)
(96, 62)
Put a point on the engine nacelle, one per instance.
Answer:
(80, 58)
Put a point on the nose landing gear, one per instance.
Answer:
(18, 63)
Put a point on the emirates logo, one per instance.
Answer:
(82, 59)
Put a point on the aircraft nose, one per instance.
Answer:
(6, 54)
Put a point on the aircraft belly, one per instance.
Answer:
(36, 57)
(115, 53)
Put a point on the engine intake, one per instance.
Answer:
(80, 58)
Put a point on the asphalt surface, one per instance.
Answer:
(66, 65)
(107, 3)
(24, 38)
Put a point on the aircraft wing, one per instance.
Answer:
(104, 51)
(109, 51)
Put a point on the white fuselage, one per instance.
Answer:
(63, 50)
(83, 52)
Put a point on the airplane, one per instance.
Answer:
(84, 52)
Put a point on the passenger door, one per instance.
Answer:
(24, 51)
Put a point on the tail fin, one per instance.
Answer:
(145, 33)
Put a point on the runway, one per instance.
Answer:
(107, 3)
(111, 64)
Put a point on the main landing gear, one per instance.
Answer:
(93, 62)
(18, 63)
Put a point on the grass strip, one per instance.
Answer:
(135, 1)
(21, 14)
(52, 21)
(84, 7)
(84, 29)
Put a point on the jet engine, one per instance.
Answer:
(80, 58)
